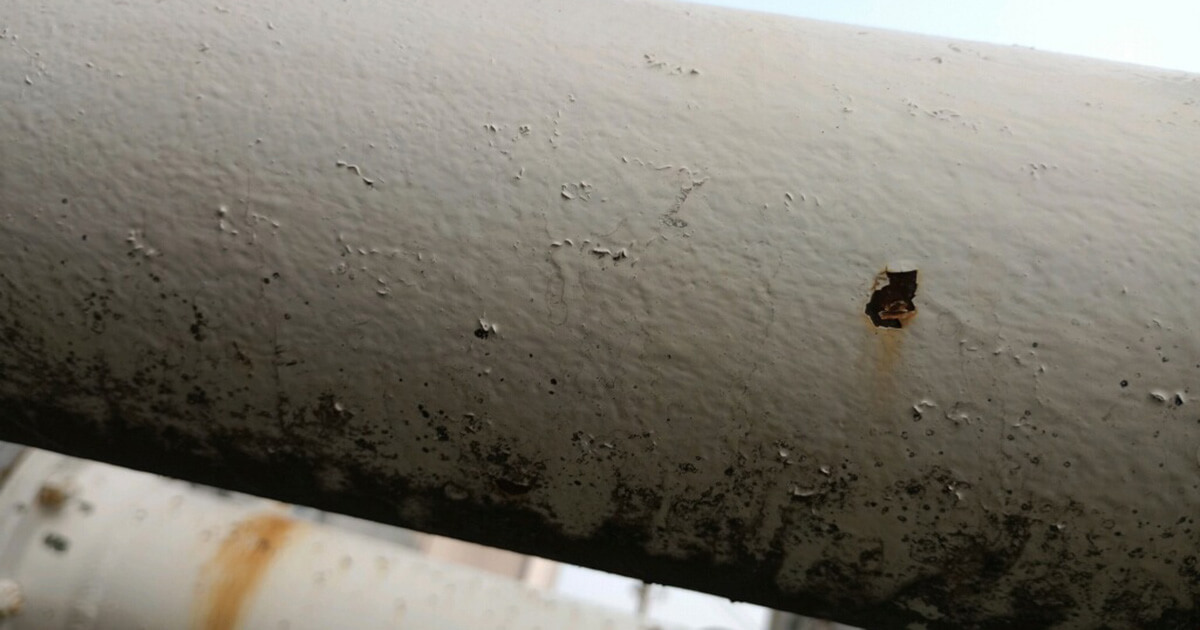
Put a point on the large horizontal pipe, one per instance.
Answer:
(868, 326)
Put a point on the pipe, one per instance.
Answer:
(880, 328)
(85, 545)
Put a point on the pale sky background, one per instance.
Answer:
(1160, 33)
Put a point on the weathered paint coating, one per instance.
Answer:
(588, 279)
(232, 577)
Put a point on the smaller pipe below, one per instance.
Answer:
(85, 545)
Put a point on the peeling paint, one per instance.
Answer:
(891, 304)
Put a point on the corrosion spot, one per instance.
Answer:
(52, 496)
(234, 573)
(891, 304)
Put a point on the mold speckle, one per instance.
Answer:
(57, 542)
(199, 323)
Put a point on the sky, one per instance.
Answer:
(1160, 33)
(673, 608)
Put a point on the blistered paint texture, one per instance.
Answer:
(590, 279)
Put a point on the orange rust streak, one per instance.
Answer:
(235, 571)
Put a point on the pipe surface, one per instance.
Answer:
(874, 327)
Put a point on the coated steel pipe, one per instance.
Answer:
(874, 327)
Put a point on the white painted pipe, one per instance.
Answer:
(89, 546)
(882, 328)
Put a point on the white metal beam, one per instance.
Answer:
(85, 545)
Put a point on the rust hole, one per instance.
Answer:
(891, 304)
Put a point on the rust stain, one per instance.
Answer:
(233, 574)
(883, 360)
(889, 309)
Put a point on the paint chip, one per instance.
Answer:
(486, 329)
